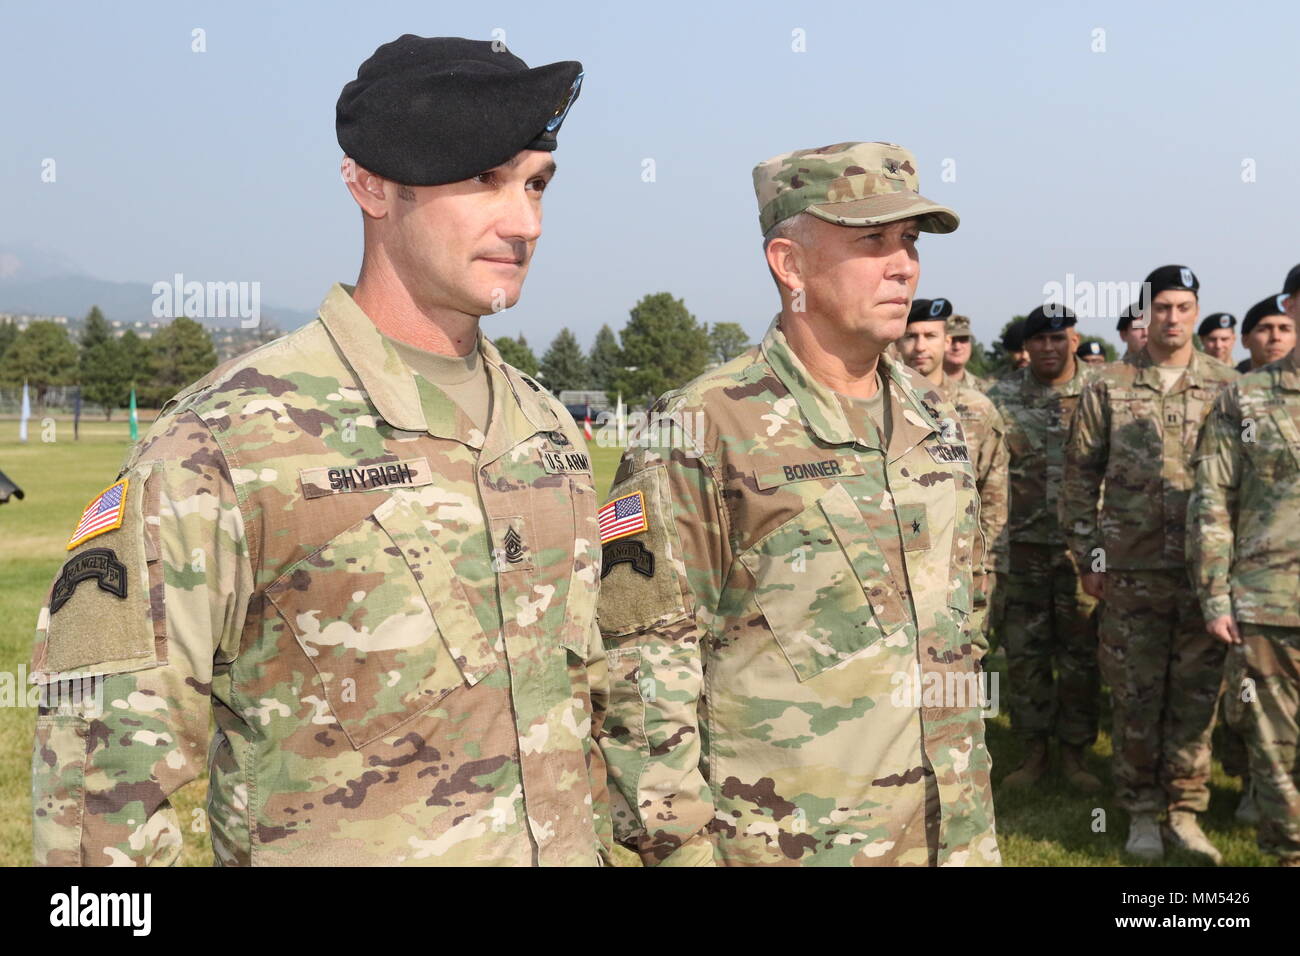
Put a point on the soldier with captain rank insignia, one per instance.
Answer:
(369, 547)
(1134, 432)
(787, 608)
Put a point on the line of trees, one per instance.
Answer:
(661, 347)
(106, 366)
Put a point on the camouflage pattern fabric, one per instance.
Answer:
(969, 380)
(801, 587)
(1243, 535)
(1140, 442)
(985, 433)
(1164, 671)
(1243, 532)
(1048, 618)
(1269, 658)
(849, 184)
(390, 612)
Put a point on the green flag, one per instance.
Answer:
(135, 419)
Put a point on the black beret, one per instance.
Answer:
(1053, 317)
(430, 110)
(1262, 310)
(1090, 348)
(929, 310)
(1172, 277)
(1013, 339)
(1219, 320)
(1292, 284)
(1126, 318)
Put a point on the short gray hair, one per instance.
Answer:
(795, 228)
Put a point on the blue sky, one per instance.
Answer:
(223, 165)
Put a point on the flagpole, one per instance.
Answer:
(135, 421)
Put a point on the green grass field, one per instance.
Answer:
(1047, 826)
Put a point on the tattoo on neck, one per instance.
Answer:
(406, 192)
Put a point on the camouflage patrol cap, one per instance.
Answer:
(848, 184)
(958, 325)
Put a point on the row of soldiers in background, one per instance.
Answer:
(1145, 535)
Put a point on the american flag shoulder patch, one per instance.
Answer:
(623, 516)
(104, 513)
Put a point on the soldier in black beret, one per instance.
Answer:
(1218, 334)
(1268, 331)
(1132, 332)
(1013, 345)
(1091, 352)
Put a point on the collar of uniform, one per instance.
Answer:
(817, 403)
(1288, 372)
(527, 393)
(1033, 388)
(1148, 376)
(378, 367)
(909, 431)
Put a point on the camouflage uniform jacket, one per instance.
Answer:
(1037, 421)
(1243, 522)
(985, 431)
(968, 379)
(770, 630)
(1141, 443)
(391, 614)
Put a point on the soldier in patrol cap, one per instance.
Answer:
(1091, 352)
(782, 588)
(1218, 334)
(1047, 621)
(1268, 331)
(369, 547)
(1132, 330)
(958, 350)
(1135, 432)
(922, 348)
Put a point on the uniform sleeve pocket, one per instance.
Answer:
(99, 618)
(821, 606)
(384, 620)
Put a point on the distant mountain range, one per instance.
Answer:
(35, 281)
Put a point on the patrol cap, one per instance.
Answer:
(1262, 310)
(1013, 339)
(1052, 317)
(430, 110)
(1089, 349)
(1292, 284)
(848, 184)
(1219, 320)
(1172, 277)
(958, 325)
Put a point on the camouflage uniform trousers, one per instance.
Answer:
(1270, 657)
(1164, 674)
(1048, 617)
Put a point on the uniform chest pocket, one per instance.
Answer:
(821, 606)
(384, 620)
(1275, 451)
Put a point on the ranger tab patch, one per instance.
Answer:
(634, 553)
(99, 563)
(104, 513)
